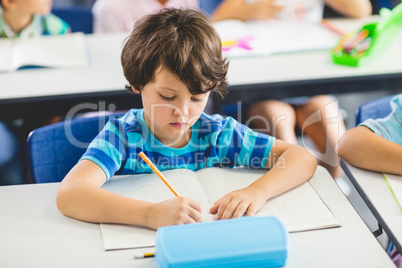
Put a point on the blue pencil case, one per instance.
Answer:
(241, 242)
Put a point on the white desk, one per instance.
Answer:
(375, 192)
(312, 72)
(33, 233)
(38, 91)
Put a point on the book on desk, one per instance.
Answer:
(263, 38)
(57, 51)
(300, 209)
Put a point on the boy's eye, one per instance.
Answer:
(196, 99)
(166, 98)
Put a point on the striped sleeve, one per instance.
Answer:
(109, 148)
(54, 25)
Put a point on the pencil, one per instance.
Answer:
(144, 255)
(332, 27)
(156, 170)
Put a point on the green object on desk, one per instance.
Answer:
(355, 48)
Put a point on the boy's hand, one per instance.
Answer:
(178, 210)
(237, 203)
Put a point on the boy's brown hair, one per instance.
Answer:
(181, 40)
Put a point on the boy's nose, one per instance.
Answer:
(182, 110)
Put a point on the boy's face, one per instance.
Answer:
(41, 7)
(170, 109)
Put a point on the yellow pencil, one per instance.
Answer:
(145, 255)
(157, 171)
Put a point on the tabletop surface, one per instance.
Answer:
(35, 234)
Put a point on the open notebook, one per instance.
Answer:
(300, 209)
(56, 51)
(262, 38)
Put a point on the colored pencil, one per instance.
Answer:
(332, 27)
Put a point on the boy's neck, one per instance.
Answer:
(16, 20)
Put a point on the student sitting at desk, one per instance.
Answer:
(29, 18)
(174, 60)
(376, 144)
(279, 118)
(120, 15)
(22, 19)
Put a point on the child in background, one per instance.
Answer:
(120, 15)
(279, 117)
(174, 60)
(20, 19)
(376, 144)
(28, 18)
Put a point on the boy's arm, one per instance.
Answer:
(365, 149)
(241, 10)
(351, 8)
(290, 165)
(80, 196)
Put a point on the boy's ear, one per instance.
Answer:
(135, 90)
(8, 4)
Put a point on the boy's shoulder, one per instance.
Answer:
(216, 122)
(396, 102)
(53, 25)
(132, 120)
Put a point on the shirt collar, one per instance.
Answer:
(29, 31)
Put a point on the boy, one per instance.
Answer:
(27, 18)
(174, 60)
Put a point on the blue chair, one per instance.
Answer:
(373, 109)
(80, 19)
(54, 149)
(209, 5)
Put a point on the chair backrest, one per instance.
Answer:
(373, 109)
(79, 18)
(209, 5)
(54, 149)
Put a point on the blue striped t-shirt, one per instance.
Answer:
(215, 141)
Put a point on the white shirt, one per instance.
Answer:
(121, 15)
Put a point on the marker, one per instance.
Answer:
(356, 40)
(226, 43)
(156, 170)
(144, 255)
(341, 44)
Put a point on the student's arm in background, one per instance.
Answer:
(365, 149)
(80, 196)
(290, 165)
(241, 10)
(351, 8)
